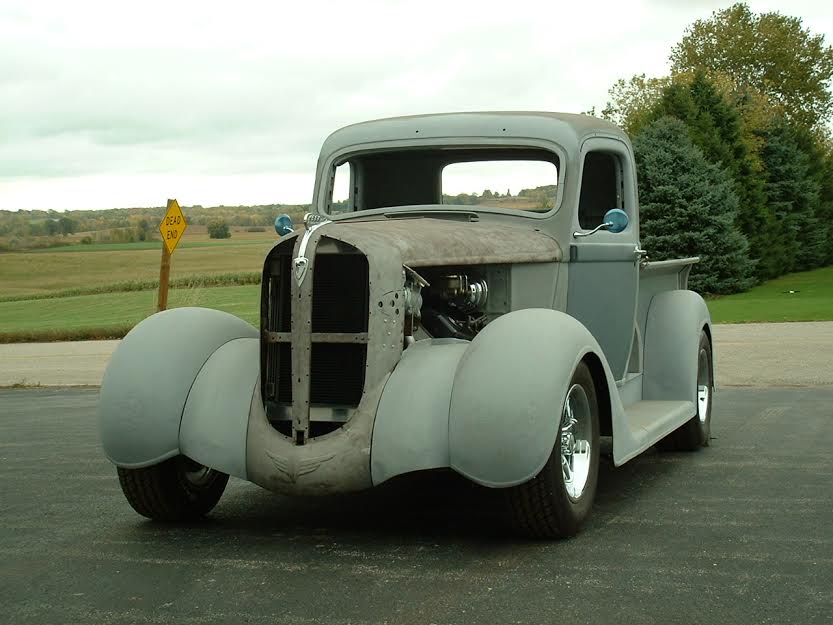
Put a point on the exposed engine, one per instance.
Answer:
(446, 303)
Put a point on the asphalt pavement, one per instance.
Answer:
(739, 532)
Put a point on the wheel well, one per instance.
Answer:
(602, 393)
(707, 331)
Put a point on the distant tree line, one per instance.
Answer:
(734, 150)
(38, 228)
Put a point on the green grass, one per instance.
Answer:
(139, 245)
(225, 279)
(112, 314)
(31, 273)
(811, 299)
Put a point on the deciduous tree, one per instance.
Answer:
(768, 53)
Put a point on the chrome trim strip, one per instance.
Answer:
(301, 263)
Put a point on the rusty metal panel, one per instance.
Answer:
(425, 242)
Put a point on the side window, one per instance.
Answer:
(601, 188)
(340, 199)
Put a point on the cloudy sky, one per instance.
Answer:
(118, 104)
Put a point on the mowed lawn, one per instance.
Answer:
(805, 296)
(30, 273)
(115, 310)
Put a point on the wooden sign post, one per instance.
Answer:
(172, 227)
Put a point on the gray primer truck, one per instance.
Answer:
(401, 334)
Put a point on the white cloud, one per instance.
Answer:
(122, 104)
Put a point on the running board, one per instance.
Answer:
(650, 421)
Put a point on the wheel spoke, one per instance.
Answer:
(567, 469)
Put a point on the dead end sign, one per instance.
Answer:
(173, 226)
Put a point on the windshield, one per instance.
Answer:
(508, 178)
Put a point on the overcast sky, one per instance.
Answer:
(119, 104)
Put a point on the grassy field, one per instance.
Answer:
(806, 296)
(29, 273)
(109, 314)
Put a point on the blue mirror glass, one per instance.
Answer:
(283, 225)
(617, 218)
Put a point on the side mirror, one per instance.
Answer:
(617, 218)
(283, 225)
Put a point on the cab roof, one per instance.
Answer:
(565, 129)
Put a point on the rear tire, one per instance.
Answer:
(178, 489)
(557, 501)
(696, 431)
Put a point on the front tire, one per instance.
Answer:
(557, 501)
(178, 489)
(695, 433)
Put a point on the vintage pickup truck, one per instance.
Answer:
(399, 333)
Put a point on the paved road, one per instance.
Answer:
(737, 533)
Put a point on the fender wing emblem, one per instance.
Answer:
(300, 265)
(293, 468)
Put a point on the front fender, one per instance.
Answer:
(410, 432)
(508, 394)
(149, 377)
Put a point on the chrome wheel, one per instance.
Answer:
(576, 433)
(196, 474)
(704, 386)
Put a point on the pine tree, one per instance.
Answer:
(688, 207)
(714, 125)
(794, 199)
(825, 211)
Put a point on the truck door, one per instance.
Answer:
(604, 267)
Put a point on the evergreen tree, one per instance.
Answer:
(714, 125)
(793, 194)
(825, 212)
(817, 147)
(688, 208)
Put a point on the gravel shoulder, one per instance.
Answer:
(774, 354)
(751, 354)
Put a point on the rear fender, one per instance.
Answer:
(149, 378)
(672, 338)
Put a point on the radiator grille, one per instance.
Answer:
(278, 386)
(337, 371)
(280, 302)
(340, 293)
(279, 368)
(339, 304)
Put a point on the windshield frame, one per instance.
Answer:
(326, 176)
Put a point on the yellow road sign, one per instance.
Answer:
(173, 226)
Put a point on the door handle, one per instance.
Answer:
(641, 256)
